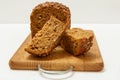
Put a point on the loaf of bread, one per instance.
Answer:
(46, 39)
(77, 41)
(42, 12)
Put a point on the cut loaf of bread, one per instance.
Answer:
(42, 12)
(77, 41)
(47, 38)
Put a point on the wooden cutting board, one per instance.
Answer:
(58, 60)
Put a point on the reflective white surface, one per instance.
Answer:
(108, 37)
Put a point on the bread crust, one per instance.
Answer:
(42, 12)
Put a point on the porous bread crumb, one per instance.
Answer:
(48, 38)
(77, 41)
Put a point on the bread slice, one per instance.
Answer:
(48, 38)
(42, 12)
(77, 41)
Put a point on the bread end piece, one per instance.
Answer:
(77, 41)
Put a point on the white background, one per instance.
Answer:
(83, 11)
(13, 31)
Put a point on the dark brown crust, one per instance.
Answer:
(42, 12)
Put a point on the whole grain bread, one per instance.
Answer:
(77, 41)
(46, 39)
(42, 12)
